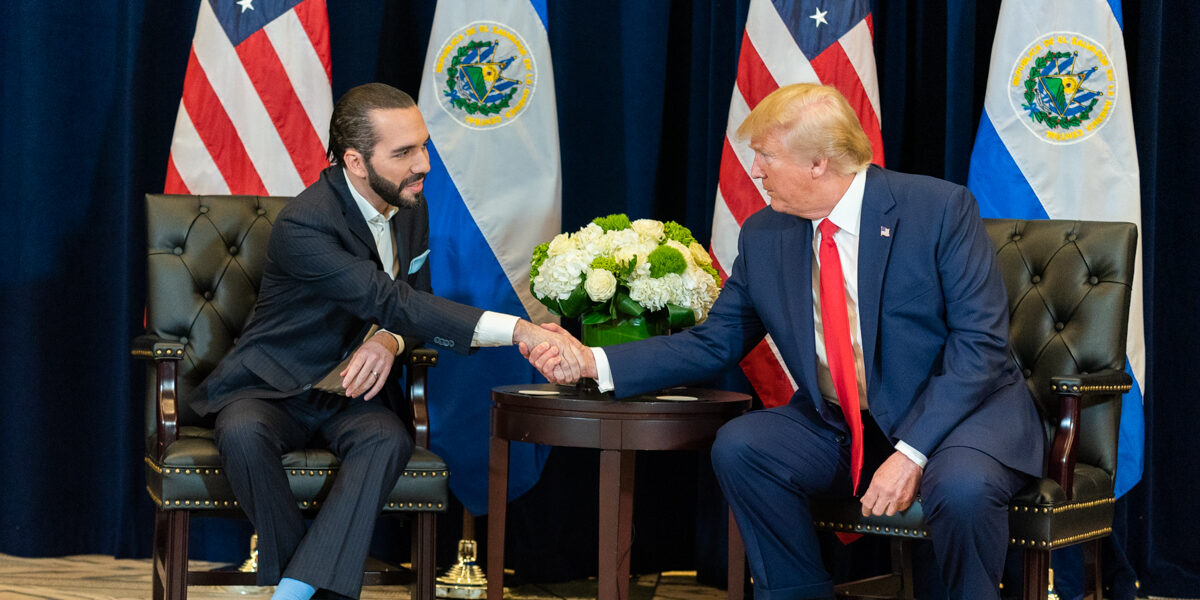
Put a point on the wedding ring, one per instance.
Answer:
(374, 373)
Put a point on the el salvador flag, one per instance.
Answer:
(1056, 141)
(494, 191)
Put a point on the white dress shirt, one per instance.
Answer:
(847, 215)
(493, 329)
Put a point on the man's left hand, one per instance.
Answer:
(369, 367)
(893, 487)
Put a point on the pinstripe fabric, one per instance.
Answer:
(323, 286)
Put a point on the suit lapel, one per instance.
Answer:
(796, 250)
(877, 230)
(354, 217)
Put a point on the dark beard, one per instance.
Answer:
(390, 192)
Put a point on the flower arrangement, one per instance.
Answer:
(613, 270)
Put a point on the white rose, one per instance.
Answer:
(561, 244)
(600, 285)
(649, 229)
(700, 255)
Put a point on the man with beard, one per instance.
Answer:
(345, 288)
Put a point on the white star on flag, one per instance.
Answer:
(245, 4)
(819, 17)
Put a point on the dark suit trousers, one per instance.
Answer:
(373, 446)
(770, 462)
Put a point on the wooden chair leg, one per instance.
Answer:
(902, 566)
(1036, 580)
(1092, 583)
(171, 552)
(424, 556)
(736, 562)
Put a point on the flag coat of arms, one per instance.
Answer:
(1056, 141)
(254, 114)
(494, 193)
(788, 42)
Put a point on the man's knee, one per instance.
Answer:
(734, 447)
(243, 429)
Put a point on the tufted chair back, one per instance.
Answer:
(204, 264)
(1069, 285)
(205, 257)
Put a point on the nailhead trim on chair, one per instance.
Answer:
(1063, 508)
(1067, 541)
(1089, 388)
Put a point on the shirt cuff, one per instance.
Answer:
(604, 381)
(912, 453)
(494, 329)
(399, 341)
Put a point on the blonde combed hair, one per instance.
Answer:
(814, 122)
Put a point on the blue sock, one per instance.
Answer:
(293, 589)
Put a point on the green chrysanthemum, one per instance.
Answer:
(539, 256)
(606, 263)
(679, 233)
(665, 260)
(615, 222)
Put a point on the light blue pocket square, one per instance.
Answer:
(418, 262)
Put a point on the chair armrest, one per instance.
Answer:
(166, 355)
(419, 361)
(1074, 394)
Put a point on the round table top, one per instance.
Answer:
(678, 400)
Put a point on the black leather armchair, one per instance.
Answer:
(204, 264)
(1069, 285)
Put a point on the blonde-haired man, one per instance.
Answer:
(882, 296)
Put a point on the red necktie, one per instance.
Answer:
(837, 345)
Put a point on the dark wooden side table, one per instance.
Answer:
(674, 419)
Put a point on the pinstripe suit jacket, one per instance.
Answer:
(323, 286)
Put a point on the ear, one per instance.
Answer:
(354, 162)
(819, 167)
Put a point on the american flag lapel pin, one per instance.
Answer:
(885, 231)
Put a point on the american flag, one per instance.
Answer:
(254, 115)
(788, 42)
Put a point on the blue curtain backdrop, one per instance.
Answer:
(87, 105)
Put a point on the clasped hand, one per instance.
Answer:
(554, 352)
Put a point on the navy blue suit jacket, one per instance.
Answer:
(933, 312)
(322, 288)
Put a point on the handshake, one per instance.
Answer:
(555, 353)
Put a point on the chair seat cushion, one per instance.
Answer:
(1039, 515)
(190, 476)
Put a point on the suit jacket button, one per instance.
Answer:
(841, 438)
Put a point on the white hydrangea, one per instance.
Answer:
(600, 285)
(560, 274)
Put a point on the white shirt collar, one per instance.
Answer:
(847, 214)
(369, 213)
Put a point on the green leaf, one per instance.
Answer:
(679, 317)
(595, 318)
(627, 305)
(574, 306)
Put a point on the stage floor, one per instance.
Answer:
(94, 577)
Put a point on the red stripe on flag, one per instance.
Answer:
(271, 82)
(174, 183)
(741, 196)
(834, 68)
(767, 376)
(871, 25)
(220, 137)
(315, 20)
(753, 78)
